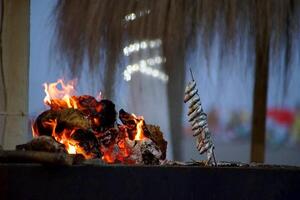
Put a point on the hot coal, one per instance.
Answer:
(150, 131)
(127, 119)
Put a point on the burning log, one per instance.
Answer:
(101, 114)
(72, 118)
(40, 126)
(88, 142)
(65, 118)
(70, 127)
(99, 118)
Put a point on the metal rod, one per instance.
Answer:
(192, 74)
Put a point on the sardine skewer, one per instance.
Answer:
(198, 119)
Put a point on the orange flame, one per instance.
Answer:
(110, 155)
(139, 127)
(34, 131)
(108, 158)
(62, 137)
(61, 97)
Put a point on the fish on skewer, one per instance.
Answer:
(198, 120)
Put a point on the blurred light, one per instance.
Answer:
(144, 44)
(152, 44)
(155, 61)
(133, 16)
(143, 67)
(130, 17)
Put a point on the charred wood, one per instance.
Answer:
(71, 118)
(108, 137)
(144, 152)
(40, 125)
(101, 114)
(157, 137)
(40, 157)
(43, 143)
(88, 141)
(86, 102)
(107, 114)
(65, 118)
(129, 121)
(152, 132)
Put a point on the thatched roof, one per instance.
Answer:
(87, 27)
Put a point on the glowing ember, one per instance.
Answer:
(107, 158)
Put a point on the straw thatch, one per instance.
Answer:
(86, 27)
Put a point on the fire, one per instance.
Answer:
(61, 97)
(139, 127)
(123, 145)
(62, 137)
(34, 131)
(71, 149)
(140, 133)
(108, 158)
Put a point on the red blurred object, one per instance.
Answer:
(281, 115)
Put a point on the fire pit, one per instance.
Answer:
(81, 151)
(88, 126)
